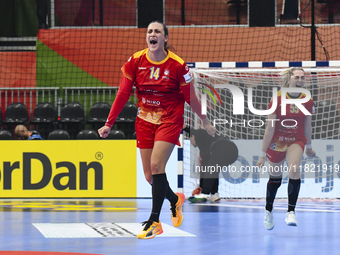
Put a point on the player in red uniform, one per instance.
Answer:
(163, 84)
(287, 140)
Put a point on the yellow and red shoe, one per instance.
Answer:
(151, 229)
(176, 211)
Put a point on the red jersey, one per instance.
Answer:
(158, 86)
(291, 131)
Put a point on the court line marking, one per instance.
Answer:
(101, 230)
(262, 207)
(63, 206)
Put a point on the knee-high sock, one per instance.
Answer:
(170, 195)
(272, 186)
(293, 193)
(159, 189)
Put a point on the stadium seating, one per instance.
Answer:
(126, 119)
(59, 135)
(87, 135)
(72, 118)
(116, 134)
(44, 113)
(98, 114)
(44, 116)
(128, 114)
(16, 113)
(5, 135)
(72, 113)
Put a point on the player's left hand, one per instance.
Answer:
(310, 153)
(208, 127)
(260, 162)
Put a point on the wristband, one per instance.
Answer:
(309, 146)
(263, 154)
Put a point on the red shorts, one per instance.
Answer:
(147, 133)
(278, 156)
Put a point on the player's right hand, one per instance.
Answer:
(310, 153)
(104, 131)
(261, 161)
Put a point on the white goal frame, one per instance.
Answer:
(323, 80)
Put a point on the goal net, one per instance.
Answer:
(320, 175)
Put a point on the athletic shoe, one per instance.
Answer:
(269, 220)
(215, 198)
(151, 229)
(176, 211)
(197, 191)
(201, 198)
(290, 219)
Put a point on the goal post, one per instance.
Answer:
(233, 117)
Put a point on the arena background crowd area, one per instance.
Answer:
(88, 41)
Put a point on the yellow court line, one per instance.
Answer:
(10, 203)
(63, 207)
(31, 206)
(92, 209)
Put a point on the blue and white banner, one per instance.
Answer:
(320, 175)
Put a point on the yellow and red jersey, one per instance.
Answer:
(158, 86)
(291, 131)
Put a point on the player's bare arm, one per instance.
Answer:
(268, 135)
(308, 134)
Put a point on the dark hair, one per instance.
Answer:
(187, 129)
(166, 33)
(190, 130)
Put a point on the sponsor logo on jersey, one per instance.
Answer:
(273, 146)
(188, 77)
(153, 102)
(150, 102)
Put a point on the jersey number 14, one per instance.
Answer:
(154, 74)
